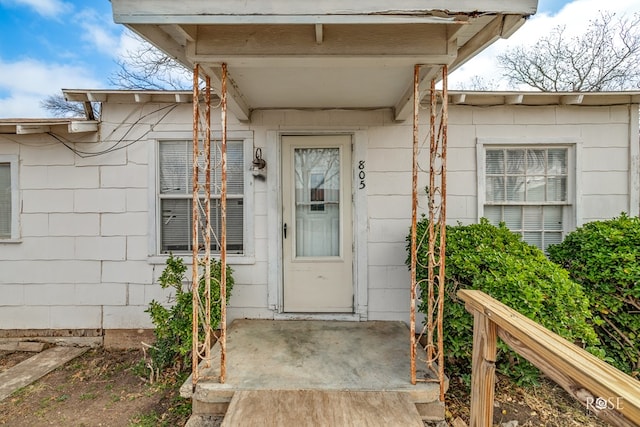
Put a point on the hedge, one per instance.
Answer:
(604, 257)
(495, 261)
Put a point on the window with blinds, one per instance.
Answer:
(175, 193)
(527, 189)
(5, 201)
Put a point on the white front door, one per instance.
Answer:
(316, 229)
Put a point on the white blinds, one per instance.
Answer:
(5, 201)
(175, 196)
(176, 170)
(526, 175)
(526, 188)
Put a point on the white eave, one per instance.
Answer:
(308, 11)
(456, 97)
(41, 126)
(485, 99)
(128, 96)
(322, 54)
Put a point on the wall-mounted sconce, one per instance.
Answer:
(259, 165)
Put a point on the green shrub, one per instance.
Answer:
(173, 327)
(604, 256)
(495, 261)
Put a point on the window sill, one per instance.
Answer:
(231, 259)
(11, 241)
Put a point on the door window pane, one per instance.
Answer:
(317, 201)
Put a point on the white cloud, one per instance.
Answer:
(46, 8)
(575, 15)
(129, 42)
(100, 31)
(23, 84)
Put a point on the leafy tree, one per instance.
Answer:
(604, 58)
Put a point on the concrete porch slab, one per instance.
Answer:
(313, 355)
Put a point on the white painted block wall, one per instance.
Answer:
(84, 262)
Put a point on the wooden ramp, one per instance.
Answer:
(275, 408)
(36, 367)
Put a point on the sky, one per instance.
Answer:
(47, 45)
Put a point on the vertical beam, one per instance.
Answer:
(223, 228)
(634, 165)
(435, 233)
(432, 193)
(485, 334)
(207, 214)
(414, 216)
(443, 226)
(194, 231)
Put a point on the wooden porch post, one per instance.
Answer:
(223, 228)
(483, 369)
(414, 216)
(195, 358)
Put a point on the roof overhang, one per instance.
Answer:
(455, 97)
(485, 99)
(40, 126)
(322, 54)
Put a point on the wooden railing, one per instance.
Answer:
(603, 390)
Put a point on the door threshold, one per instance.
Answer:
(345, 317)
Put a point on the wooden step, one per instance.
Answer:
(267, 408)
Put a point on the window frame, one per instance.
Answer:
(12, 161)
(572, 205)
(155, 211)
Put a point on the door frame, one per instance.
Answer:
(275, 276)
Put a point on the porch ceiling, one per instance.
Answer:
(330, 54)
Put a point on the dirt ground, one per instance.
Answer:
(546, 405)
(99, 388)
(109, 388)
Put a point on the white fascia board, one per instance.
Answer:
(303, 11)
(82, 126)
(32, 129)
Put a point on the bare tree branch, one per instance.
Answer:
(142, 68)
(147, 68)
(60, 107)
(605, 57)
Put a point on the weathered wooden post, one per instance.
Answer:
(483, 369)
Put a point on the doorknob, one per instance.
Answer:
(284, 229)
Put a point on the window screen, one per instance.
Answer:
(527, 189)
(176, 174)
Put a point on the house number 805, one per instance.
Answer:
(361, 174)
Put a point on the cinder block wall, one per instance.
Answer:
(84, 258)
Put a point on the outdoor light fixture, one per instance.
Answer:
(259, 165)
